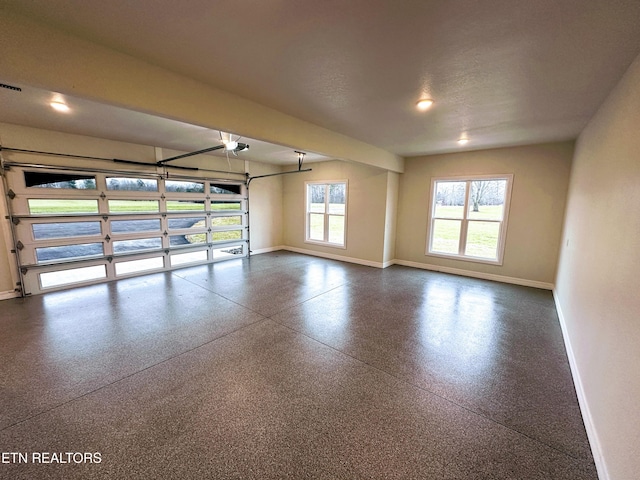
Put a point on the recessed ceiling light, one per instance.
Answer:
(424, 104)
(60, 106)
(463, 141)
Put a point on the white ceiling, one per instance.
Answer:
(31, 107)
(503, 72)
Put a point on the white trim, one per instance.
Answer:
(592, 434)
(267, 250)
(332, 256)
(7, 230)
(325, 255)
(455, 271)
(9, 294)
(326, 244)
(465, 220)
(307, 213)
(481, 275)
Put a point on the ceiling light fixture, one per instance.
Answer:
(424, 104)
(60, 106)
(463, 141)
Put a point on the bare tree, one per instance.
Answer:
(478, 190)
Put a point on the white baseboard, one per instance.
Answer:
(454, 271)
(332, 256)
(9, 294)
(481, 275)
(258, 251)
(592, 435)
(370, 263)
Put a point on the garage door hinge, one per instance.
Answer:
(15, 221)
(24, 270)
(102, 195)
(165, 233)
(109, 259)
(11, 194)
(107, 238)
(19, 245)
(105, 218)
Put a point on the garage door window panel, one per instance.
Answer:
(69, 181)
(68, 252)
(135, 226)
(122, 224)
(185, 206)
(138, 245)
(188, 240)
(226, 221)
(132, 184)
(185, 223)
(220, 205)
(66, 206)
(130, 267)
(72, 276)
(181, 186)
(225, 189)
(134, 206)
(55, 230)
(188, 258)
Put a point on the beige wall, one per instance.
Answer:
(266, 194)
(541, 174)
(265, 207)
(598, 283)
(366, 210)
(391, 220)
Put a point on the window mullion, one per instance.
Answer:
(464, 227)
(326, 213)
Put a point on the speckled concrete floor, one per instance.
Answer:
(288, 366)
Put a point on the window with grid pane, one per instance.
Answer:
(468, 217)
(326, 209)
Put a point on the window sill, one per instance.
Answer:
(485, 261)
(326, 244)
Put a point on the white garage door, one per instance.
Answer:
(76, 227)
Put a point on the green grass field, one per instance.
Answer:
(482, 236)
(65, 207)
(216, 236)
(486, 212)
(336, 223)
(62, 207)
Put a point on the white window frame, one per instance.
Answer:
(465, 220)
(308, 213)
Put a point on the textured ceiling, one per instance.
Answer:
(503, 72)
